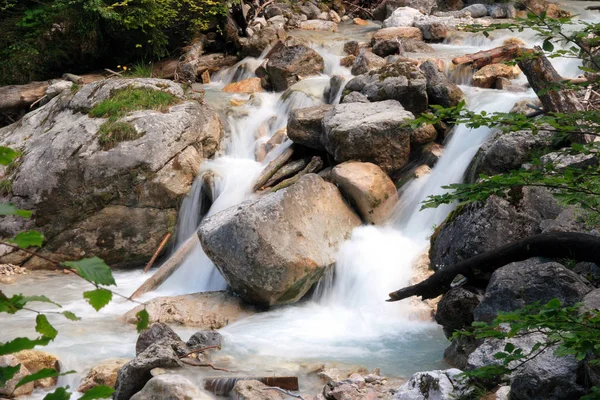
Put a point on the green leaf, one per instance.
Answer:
(59, 394)
(98, 298)
(7, 155)
(7, 373)
(98, 392)
(43, 326)
(28, 239)
(10, 209)
(22, 343)
(548, 46)
(509, 347)
(69, 315)
(93, 269)
(142, 320)
(41, 374)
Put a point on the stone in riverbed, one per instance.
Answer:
(523, 283)
(402, 32)
(288, 64)
(365, 62)
(269, 249)
(204, 339)
(432, 385)
(369, 132)
(9, 387)
(455, 309)
(35, 360)
(305, 126)
(159, 332)
(254, 390)
(369, 188)
(170, 387)
(440, 89)
(318, 25)
(208, 310)
(486, 77)
(402, 16)
(355, 97)
(248, 86)
(104, 374)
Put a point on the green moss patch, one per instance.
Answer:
(123, 102)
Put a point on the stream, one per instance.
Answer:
(346, 322)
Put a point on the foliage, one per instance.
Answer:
(93, 270)
(41, 38)
(112, 133)
(566, 331)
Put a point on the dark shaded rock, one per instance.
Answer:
(136, 373)
(204, 339)
(288, 63)
(352, 48)
(455, 309)
(423, 134)
(336, 84)
(440, 90)
(365, 62)
(523, 283)
(459, 350)
(387, 47)
(416, 46)
(370, 132)
(260, 41)
(305, 126)
(591, 301)
(385, 8)
(483, 227)
(506, 10)
(589, 271)
(158, 332)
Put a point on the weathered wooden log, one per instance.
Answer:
(313, 166)
(273, 167)
(572, 245)
(492, 56)
(15, 97)
(546, 82)
(73, 78)
(288, 169)
(187, 68)
(166, 69)
(159, 249)
(168, 268)
(221, 386)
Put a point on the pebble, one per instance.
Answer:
(11, 270)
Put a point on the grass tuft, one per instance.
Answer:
(5, 187)
(112, 133)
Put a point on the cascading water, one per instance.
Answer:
(347, 319)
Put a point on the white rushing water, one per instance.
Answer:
(347, 320)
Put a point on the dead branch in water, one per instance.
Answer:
(199, 351)
(198, 364)
(161, 246)
(273, 167)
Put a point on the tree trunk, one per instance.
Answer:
(577, 246)
(492, 56)
(16, 97)
(187, 68)
(166, 69)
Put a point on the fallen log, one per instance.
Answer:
(492, 56)
(572, 245)
(161, 246)
(313, 166)
(15, 97)
(288, 169)
(187, 68)
(168, 268)
(273, 167)
(221, 386)
(166, 69)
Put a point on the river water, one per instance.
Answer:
(347, 322)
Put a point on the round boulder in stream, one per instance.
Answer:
(272, 249)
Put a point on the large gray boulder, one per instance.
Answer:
(270, 249)
(159, 332)
(289, 63)
(114, 202)
(523, 283)
(369, 132)
(401, 81)
(483, 227)
(504, 152)
(170, 387)
(440, 89)
(133, 376)
(305, 126)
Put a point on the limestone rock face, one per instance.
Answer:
(369, 132)
(9, 388)
(207, 310)
(523, 283)
(432, 385)
(271, 250)
(369, 188)
(115, 203)
(170, 387)
(288, 64)
(104, 374)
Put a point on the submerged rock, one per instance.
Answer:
(96, 194)
(104, 374)
(269, 249)
(369, 188)
(207, 310)
(369, 132)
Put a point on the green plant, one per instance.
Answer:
(141, 70)
(5, 187)
(111, 133)
(566, 331)
(93, 270)
(131, 99)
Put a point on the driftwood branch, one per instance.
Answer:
(492, 56)
(161, 246)
(199, 364)
(200, 350)
(313, 166)
(577, 246)
(273, 167)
